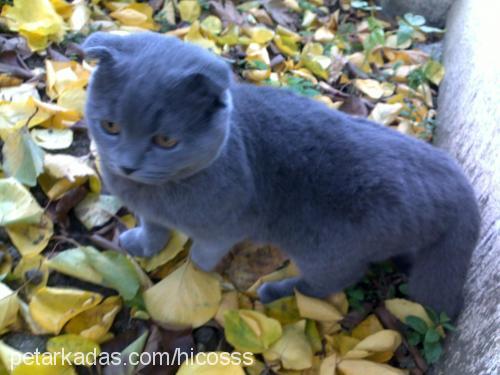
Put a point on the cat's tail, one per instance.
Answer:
(438, 273)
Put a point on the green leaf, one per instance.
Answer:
(444, 318)
(431, 336)
(405, 33)
(414, 19)
(432, 352)
(449, 327)
(417, 324)
(109, 268)
(403, 289)
(23, 158)
(432, 314)
(413, 338)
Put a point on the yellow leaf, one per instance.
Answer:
(384, 113)
(256, 55)
(189, 10)
(36, 20)
(286, 45)
(313, 59)
(9, 306)
(174, 246)
(60, 117)
(64, 75)
(383, 341)
(194, 297)
(358, 367)
(229, 36)
(316, 309)
(402, 308)
(65, 172)
(260, 34)
(292, 349)
(367, 327)
(10, 357)
(434, 71)
(323, 35)
(339, 300)
(328, 365)
(284, 310)
(17, 205)
(194, 36)
(81, 351)
(211, 363)
(52, 308)
(44, 364)
(31, 239)
(370, 87)
(343, 343)
(250, 331)
(32, 263)
(15, 115)
(136, 15)
(211, 25)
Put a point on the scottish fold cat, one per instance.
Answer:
(186, 147)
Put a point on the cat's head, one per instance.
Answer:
(157, 108)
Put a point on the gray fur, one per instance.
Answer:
(333, 191)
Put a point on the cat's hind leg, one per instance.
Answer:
(318, 279)
(439, 271)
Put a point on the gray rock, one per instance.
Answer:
(468, 128)
(434, 11)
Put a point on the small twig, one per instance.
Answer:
(390, 321)
(104, 243)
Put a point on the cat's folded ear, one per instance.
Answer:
(102, 46)
(210, 80)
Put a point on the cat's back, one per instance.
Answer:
(338, 163)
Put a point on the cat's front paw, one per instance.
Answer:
(138, 243)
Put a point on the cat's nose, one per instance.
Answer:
(128, 170)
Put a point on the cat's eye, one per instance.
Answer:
(164, 142)
(110, 127)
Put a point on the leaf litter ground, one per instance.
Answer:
(65, 282)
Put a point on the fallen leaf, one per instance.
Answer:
(23, 158)
(292, 349)
(316, 309)
(9, 306)
(173, 248)
(52, 308)
(52, 139)
(95, 323)
(402, 308)
(81, 351)
(36, 20)
(195, 300)
(109, 268)
(370, 87)
(384, 113)
(65, 172)
(218, 364)
(134, 14)
(359, 366)
(97, 209)
(17, 205)
(250, 331)
(189, 10)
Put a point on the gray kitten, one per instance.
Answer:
(186, 147)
